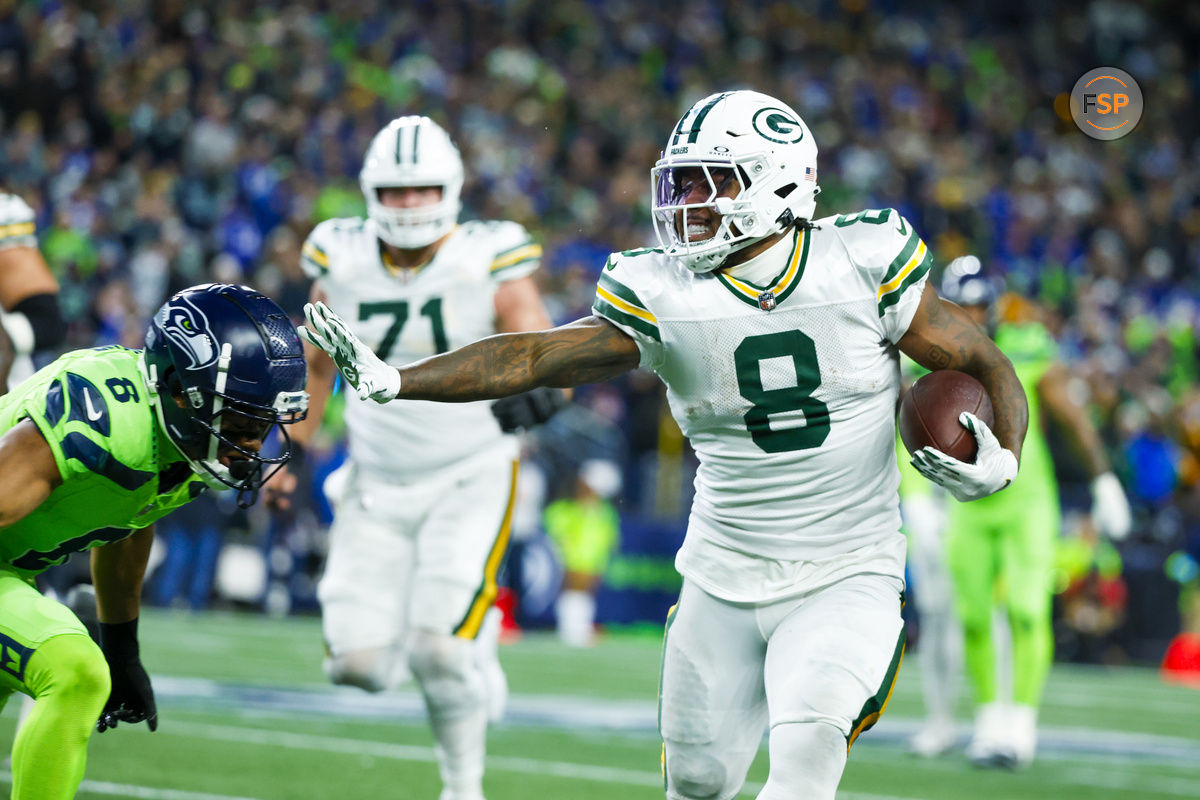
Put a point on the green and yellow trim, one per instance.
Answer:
(912, 271)
(874, 707)
(515, 257)
(316, 256)
(17, 229)
(485, 595)
(671, 612)
(902, 274)
(619, 303)
(783, 285)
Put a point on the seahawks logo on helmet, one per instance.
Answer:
(777, 125)
(187, 327)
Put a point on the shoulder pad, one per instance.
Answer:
(325, 239)
(514, 252)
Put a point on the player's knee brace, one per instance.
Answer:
(694, 774)
(447, 669)
(373, 670)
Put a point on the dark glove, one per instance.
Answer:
(131, 699)
(524, 411)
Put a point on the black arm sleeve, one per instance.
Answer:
(44, 317)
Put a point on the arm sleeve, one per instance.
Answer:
(617, 300)
(44, 319)
(517, 254)
(895, 261)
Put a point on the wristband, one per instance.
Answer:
(119, 640)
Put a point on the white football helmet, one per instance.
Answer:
(412, 151)
(773, 155)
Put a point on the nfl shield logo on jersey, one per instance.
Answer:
(766, 301)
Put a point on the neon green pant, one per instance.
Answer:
(46, 653)
(1001, 554)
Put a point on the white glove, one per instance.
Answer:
(361, 368)
(994, 467)
(1110, 509)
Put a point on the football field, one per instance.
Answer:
(245, 714)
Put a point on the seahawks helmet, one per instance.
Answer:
(773, 155)
(965, 283)
(412, 151)
(218, 351)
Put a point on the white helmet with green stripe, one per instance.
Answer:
(412, 151)
(760, 140)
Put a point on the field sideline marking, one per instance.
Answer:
(424, 754)
(139, 792)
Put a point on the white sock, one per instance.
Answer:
(576, 612)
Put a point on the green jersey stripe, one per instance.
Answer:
(899, 261)
(893, 297)
(507, 268)
(79, 447)
(621, 290)
(614, 314)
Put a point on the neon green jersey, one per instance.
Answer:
(1032, 351)
(119, 469)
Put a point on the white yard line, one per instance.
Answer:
(139, 792)
(527, 766)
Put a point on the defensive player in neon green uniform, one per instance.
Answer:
(95, 448)
(1000, 548)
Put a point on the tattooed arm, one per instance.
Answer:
(588, 350)
(942, 336)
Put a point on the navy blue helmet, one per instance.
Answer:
(223, 364)
(965, 283)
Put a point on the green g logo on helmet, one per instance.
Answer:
(777, 125)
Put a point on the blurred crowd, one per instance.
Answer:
(168, 143)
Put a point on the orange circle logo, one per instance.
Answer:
(1106, 103)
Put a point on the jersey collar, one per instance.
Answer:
(768, 296)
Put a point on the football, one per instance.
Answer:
(929, 413)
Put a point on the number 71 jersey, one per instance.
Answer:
(407, 316)
(787, 392)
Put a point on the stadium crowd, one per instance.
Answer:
(166, 143)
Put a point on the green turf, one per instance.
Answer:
(215, 747)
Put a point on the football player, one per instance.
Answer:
(28, 292)
(777, 336)
(1007, 543)
(423, 523)
(94, 448)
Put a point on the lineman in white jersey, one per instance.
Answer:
(423, 522)
(28, 292)
(778, 341)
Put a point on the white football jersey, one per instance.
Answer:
(404, 317)
(787, 391)
(17, 229)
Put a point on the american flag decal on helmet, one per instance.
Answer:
(810, 174)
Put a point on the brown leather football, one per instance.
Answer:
(929, 413)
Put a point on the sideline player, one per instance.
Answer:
(1000, 551)
(778, 340)
(421, 528)
(95, 448)
(28, 292)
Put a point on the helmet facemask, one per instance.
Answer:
(741, 224)
(206, 423)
